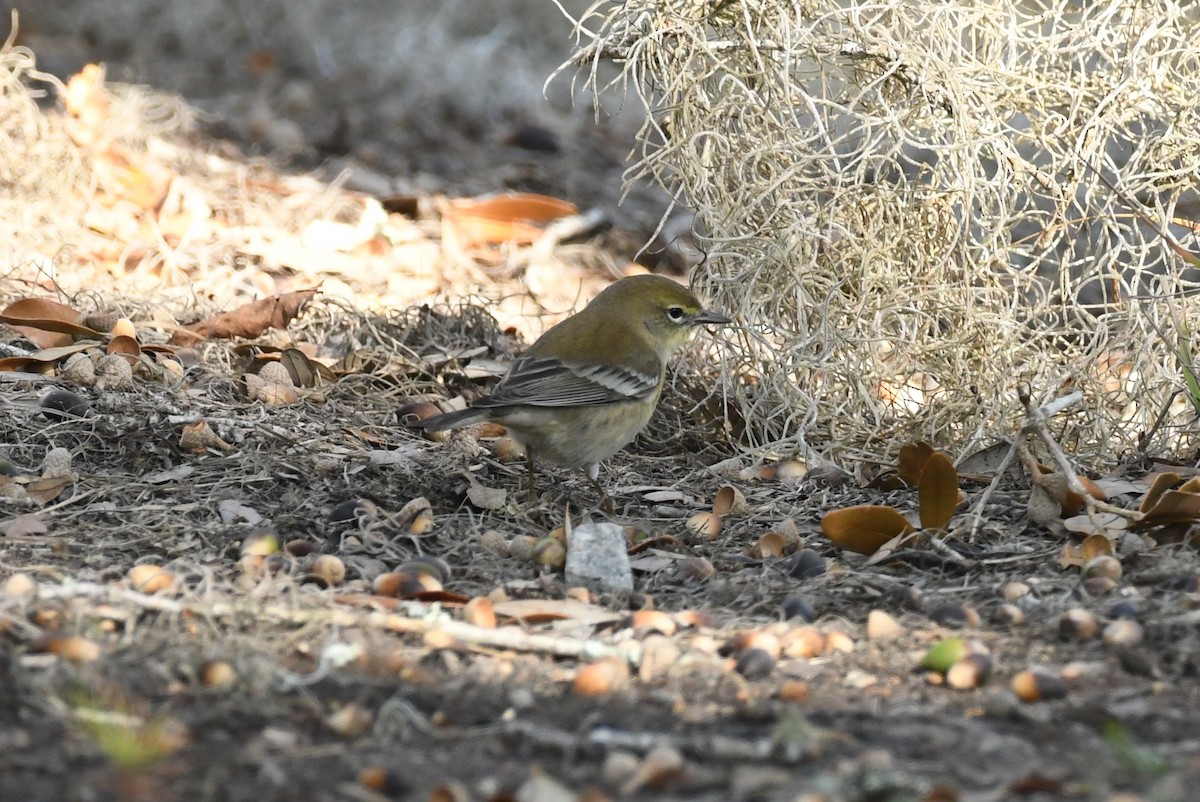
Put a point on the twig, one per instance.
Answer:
(1035, 421)
(417, 618)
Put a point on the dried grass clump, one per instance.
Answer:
(895, 201)
(39, 166)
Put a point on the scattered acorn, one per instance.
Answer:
(19, 585)
(971, 671)
(793, 690)
(1105, 566)
(838, 642)
(261, 543)
(73, 648)
(216, 674)
(416, 516)
(150, 579)
(1038, 685)
(1078, 624)
(299, 547)
(389, 782)
(328, 570)
(350, 720)
(1123, 634)
(550, 552)
(704, 525)
(1008, 615)
(601, 677)
(803, 642)
(352, 509)
(405, 584)
(728, 501)
(1014, 590)
(790, 471)
(881, 626)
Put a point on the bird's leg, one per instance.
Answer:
(532, 480)
(593, 475)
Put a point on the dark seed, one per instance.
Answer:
(755, 664)
(61, 404)
(799, 607)
(805, 564)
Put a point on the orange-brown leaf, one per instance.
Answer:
(937, 491)
(249, 320)
(498, 219)
(864, 528)
(46, 323)
(912, 461)
(1172, 507)
(1162, 483)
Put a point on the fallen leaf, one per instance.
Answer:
(864, 528)
(483, 497)
(48, 488)
(250, 320)
(46, 323)
(912, 460)
(504, 218)
(1161, 484)
(1172, 507)
(532, 611)
(1109, 523)
(938, 492)
(25, 525)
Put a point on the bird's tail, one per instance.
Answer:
(450, 420)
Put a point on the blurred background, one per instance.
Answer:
(446, 96)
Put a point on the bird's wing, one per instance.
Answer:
(544, 382)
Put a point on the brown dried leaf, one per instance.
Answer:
(250, 320)
(48, 488)
(531, 611)
(912, 462)
(1172, 507)
(1161, 484)
(503, 218)
(304, 371)
(864, 528)
(938, 492)
(46, 323)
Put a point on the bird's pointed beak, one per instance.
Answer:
(707, 316)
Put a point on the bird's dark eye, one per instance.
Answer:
(676, 313)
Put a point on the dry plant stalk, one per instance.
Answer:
(893, 199)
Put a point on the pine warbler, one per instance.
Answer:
(587, 386)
